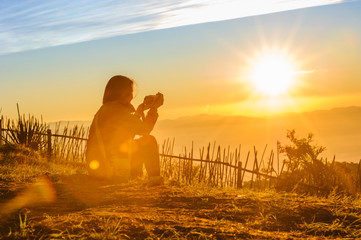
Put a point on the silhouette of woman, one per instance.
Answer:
(112, 152)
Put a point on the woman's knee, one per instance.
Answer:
(148, 140)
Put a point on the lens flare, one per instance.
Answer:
(124, 147)
(94, 165)
(42, 191)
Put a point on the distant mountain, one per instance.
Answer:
(338, 129)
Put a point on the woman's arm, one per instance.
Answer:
(148, 121)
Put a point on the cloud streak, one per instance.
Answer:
(26, 25)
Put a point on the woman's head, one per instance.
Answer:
(119, 88)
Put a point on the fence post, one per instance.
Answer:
(1, 132)
(239, 175)
(49, 143)
(359, 174)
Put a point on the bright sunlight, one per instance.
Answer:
(272, 74)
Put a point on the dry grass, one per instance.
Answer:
(71, 148)
(20, 164)
(88, 209)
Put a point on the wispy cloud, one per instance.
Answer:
(33, 24)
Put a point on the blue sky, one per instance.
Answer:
(32, 24)
(55, 63)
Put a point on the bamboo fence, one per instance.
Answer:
(214, 166)
(219, 167)
(70, 145)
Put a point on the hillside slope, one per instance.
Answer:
(339, 130)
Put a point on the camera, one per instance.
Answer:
(149, 100)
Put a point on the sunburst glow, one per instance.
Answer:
(272, 74)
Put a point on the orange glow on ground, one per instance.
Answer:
(94, 164)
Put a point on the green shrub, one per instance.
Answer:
(30, 132)
(306, 172)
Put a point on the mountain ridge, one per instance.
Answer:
(338, 129)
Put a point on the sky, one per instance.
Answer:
(56, 56)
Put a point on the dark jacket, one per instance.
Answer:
(113, 126)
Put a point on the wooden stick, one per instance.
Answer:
(1, 130)
(49, 144)
(201, 167)
(191, 164)
(254, 162)
(261, 162)
(359, 174)
(239, 179)
(270, 180)
(245, 165)
(278, 159)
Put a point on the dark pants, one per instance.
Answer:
(145, 151)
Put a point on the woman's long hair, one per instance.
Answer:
(118, 88)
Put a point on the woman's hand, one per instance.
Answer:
(140, 110)
(159, 100)
(155, 104)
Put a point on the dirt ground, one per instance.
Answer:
(77, 207)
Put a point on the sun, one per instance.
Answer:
(272, 74)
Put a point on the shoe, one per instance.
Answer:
(155, 181)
